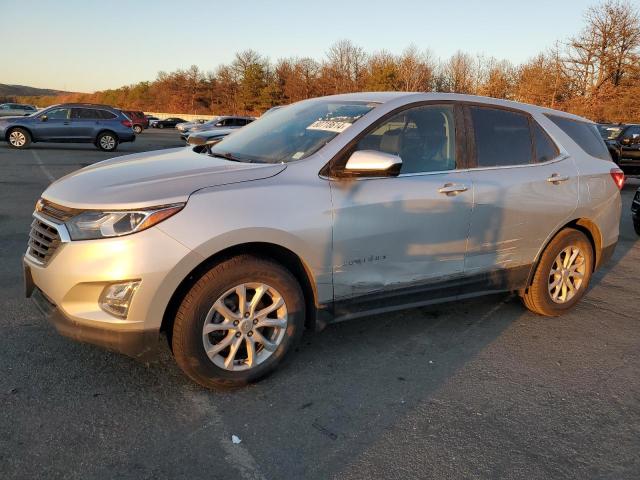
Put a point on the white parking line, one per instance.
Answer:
(42, 166)
(235, 454)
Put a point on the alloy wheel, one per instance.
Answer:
(108, 142)
(567, 274)
(245, 326)
(17, 139)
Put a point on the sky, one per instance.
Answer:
(96, 44)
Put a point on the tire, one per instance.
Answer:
(189, 341)
(107, 142)
(137, 129)
(636, 225)
(539, 296)
(161, 126)
(19, 138)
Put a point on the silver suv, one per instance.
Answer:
(325, 210)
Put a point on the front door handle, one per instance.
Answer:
(452, 189)
(556, 179)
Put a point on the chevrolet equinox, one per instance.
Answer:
(325, 210)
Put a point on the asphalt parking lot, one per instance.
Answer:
(476, 389)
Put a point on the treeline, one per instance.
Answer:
(595, 74)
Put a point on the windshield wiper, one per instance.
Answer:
(227, 156)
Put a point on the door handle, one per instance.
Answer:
(452, 189)
(66, 123)
(556, 179)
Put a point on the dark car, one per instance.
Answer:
(170, 122)
(16, 110)
(104, 126)
(635, 211)
(624, 147)
(139, 120)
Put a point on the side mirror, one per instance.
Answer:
(44, 118)
(371, 163)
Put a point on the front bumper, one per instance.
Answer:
(77, 273)
(143, 345)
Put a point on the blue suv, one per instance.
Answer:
(104, 126)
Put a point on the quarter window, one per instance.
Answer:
(585, 134)
(423, 137)
(502, 137)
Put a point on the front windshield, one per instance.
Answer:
(291, 133)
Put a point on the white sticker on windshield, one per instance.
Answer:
(297, 155)
(329, 126)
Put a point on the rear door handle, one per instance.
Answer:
(452, 189)
(556, 179)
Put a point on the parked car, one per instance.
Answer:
(635, 211)
(104, 126)
(170, 122)
(191, 123)
(16, 110)
(624, 147)
(221, 122)
(209, 136)
(152, 120)
(185, 127)
(330, 209)
(271, 110)
(139, 121)
(609, 131)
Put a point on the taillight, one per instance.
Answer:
(618, 177)
(127, 123)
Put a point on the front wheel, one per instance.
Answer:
(237, 322)
(107, 142)
(19, 138)
(562, 275)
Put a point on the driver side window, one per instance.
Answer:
(423, 137)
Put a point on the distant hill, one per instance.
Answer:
(24, 91)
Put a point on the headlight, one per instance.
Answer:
(90, 225)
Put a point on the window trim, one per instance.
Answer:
(330, 170)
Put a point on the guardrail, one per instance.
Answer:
(184, 116)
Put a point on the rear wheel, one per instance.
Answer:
(161, 125)
(562, 275)
(107, 142)
(237, 322)
(19, 138)
(137, 129)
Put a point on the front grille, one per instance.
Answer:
(43, 241)
(55, 211)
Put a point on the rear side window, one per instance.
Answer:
(106, 115)
(586, 135)
(84, 113)
(502, 137)
(545, 148)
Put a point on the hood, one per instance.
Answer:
(150, 179)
